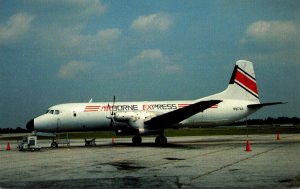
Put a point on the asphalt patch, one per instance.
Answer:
(123, 182)
(294, 182)
(170, 158)
(126, 165)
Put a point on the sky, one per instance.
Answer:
(54, 52)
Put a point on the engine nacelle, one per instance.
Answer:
(133, 116)
(135, 120)
(124, 116)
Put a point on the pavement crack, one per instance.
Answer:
(233, 163)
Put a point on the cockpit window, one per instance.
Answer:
(55, 112)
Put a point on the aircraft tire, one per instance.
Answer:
(161, 140)
(54, 145)
(137, 140)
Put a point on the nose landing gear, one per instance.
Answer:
(61, 138)
(54, 144)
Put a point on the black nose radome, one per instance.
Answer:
(30, 125)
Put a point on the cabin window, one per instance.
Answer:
(74, 114)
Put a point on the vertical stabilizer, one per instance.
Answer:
(242, 84)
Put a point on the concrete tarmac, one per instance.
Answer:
(202, 161)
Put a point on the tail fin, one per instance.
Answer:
(242, 84)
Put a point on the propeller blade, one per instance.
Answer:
(112, 113)
(112, 108)
(111, 125)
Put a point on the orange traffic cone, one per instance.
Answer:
(113, 140)
(8, 146)
(248, 147)
(278, 137)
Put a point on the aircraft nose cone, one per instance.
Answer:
(30, 125)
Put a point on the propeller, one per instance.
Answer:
(112, 108)
(112, 124)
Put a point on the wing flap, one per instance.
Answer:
(181, 114)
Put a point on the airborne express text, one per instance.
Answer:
(136, 107)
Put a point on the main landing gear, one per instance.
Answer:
(160, 140)
(137, 140)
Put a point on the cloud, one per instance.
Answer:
(270, 33)
(62, 26)
(109, 34)
(272, 41)
(67, 11)
(59, 29)
(15, 27)
(72, 41)
(173, 68)
(149, 56)
(73, 69)
(103, 39)
(153, 22)
(90, 7)
(155, 60)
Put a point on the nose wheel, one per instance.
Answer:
(54, 145)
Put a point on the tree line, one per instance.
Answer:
(269, 121)
(11, 130)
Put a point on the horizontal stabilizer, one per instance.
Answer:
(264, 104)
(181, 114)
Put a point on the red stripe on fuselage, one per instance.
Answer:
(214, 106)
(246, 81)
(91, 108)
(183, 105)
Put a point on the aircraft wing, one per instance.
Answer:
(181, 114)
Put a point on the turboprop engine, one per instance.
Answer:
(135, 119)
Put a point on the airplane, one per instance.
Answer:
(238, 100)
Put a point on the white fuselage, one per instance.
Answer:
(94, 116)
(237, 101)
